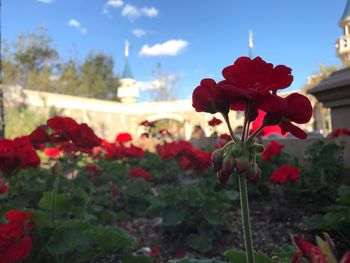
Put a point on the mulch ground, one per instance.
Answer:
(270, 229)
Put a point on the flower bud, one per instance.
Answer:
(242, 164)
(223, 177)
(253, 174)
(216, 159)
(228, 164)
(257, 148)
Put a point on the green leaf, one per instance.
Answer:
(63, 204)
(109, 238)
(238, 256)
(173, 215)
(188, 260)
(200, 242)
(69, 236)
(136, 259)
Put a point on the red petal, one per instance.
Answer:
(299, 108)
(280, 78)
(293, 129)
(270, 102)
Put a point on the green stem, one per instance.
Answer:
(245, 219)
(229, 127)
(246, 121)
(53, 198)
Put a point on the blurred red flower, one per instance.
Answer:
(3, 187)
(123, 137)
(15, 242)
(17, 154)
(154, 251)
(53, 152)
(140, 173)
(284, 174)
(273, 149)
(337, 132)
(307, 249)
(214, 122)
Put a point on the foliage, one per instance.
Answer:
(33, 62)
(336, 217)
(237, 256)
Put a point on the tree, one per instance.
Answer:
(70, 78)
(164, 85)
(98, 79)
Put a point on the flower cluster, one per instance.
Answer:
(148, 127)
(337, 132)
(115, 151)
(273, 149)
(123, 137)
(140, 173)
(3, 187)
(17, 154)
(284, 174)
(251, 85)
(214, 122)
(66, 135)
(15, 242)
(187, 156)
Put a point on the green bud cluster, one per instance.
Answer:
(237, 157)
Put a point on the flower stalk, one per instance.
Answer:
(54, 195)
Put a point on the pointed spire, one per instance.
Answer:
(346, 11)
(251, 43)
(127, 74)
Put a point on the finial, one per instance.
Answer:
(251, 43)
(126, 52)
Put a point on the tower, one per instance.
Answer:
(128, 92)
(343, 43)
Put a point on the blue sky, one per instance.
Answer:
(201, 36)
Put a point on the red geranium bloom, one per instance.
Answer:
(17, 154)
(39, 137)
(337, 132)
(256, 81)
(123, 137)
(307, 249)
(52, 152)
(114, 190)
(3, 187)
(299, 110)
(273, 149)
(15, 244)
(285, 173)
(140, 173)
(214, 122)
(154, 252)
(209, 97)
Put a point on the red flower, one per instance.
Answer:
(3, 187)
(214, 122)
(84, 137)
(38, 137)
(306, 249)
(256, 81)
(285, 173)
(17, 154)
(114, 190)
(52, 152)
(209, 97)
(123, 137)
(140, 173)
(15, 244)
(273, 149)
(337, 132)
(154, 252)
(134, 151)
(346, 258)
(94, 171)
(299, 110)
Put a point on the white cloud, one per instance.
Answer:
(112, 4)
(115, 3)
(156, 83)
(168, 48)
(149, 11)
(139, 32)
(76, 24)
(133, 12)
(45, 1)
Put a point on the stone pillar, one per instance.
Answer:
(334, 93)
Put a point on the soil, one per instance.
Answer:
(270, 229)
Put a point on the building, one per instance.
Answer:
(343, 43)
